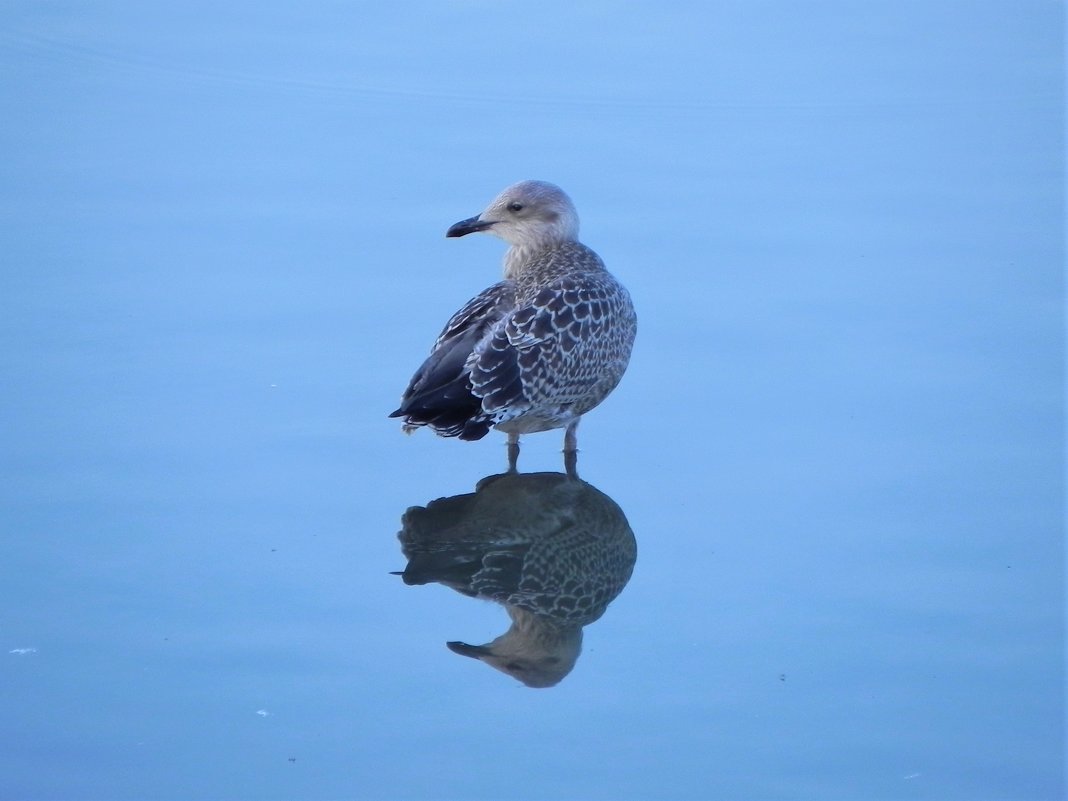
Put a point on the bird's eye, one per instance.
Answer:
(515, 205)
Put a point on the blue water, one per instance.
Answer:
(839, 444)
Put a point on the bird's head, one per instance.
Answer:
(530, 215)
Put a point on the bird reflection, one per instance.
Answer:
(552, 549)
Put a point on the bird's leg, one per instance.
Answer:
(571, 448)
(513, 453)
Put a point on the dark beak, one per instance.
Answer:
(469, 226)
(474, 651)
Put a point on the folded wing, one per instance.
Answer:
(439, 394)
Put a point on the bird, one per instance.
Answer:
(537, 350)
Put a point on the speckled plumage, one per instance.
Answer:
(537, 350)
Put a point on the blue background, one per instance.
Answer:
(840, 441)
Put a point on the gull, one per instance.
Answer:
(537, 350)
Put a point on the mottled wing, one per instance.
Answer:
(575, 334)
(484, 309)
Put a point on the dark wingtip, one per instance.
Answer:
(475, 429)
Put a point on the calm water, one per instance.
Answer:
(839, 445)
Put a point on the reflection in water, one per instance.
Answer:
(553, 550)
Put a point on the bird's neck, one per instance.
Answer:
(519, 256)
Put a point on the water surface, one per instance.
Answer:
(839, 444)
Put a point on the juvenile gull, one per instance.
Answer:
(537, 350)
